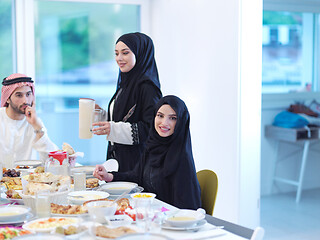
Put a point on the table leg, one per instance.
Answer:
(303, 165)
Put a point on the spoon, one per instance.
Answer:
(121, 196)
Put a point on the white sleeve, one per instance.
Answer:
(44, 145)
(120, 132)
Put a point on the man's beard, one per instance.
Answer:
(19, 109)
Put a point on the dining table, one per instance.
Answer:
(212, 228)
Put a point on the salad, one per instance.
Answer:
(11, 232)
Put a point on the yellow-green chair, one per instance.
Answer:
(208, 181)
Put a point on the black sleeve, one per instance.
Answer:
(129, 176)
(149, 96)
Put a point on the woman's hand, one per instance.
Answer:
(102, 129)
(101, 173)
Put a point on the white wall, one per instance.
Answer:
(206, 54)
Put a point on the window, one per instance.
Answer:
(288, 53)
(6, 39)
(74, 55)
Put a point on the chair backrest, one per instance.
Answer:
(208, 181)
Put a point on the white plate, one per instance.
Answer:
(26, 218)
(117, 188)
(85, 196)
(69, 215)
(28, 226)
(40, 237)
(33, 163)
(199, 225)
(87, 169)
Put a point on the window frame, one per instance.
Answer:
(310, 6)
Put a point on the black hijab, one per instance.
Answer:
(145, 70)
(173, 151)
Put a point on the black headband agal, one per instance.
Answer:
(16, 80)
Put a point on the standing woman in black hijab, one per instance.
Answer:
(131, 108)
(167, 166)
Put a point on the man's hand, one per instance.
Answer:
(31, 116)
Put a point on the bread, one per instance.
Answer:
(67, 148)
(92, 182)
(67, 209)
(105, 232)
(34, 187)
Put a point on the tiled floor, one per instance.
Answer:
(284, 219)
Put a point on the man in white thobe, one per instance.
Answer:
(22, 133)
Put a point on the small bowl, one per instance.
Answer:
(185, 218)
(142, 199)
(98, 210)
(79, 197)
(13, 213)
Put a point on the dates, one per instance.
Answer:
(11, 173)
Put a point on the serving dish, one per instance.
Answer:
(49, 224)
(79, 197)
(117, 188)
(13, 213)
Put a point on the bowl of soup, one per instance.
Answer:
(13, 213)
(185, 218)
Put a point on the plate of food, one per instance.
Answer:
(69, 210)
(50, 224)
(117, 188)
(72, 232)
(12, 232)
(13, 196)
(13, 183)
(28, 163)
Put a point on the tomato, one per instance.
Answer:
(120, 212)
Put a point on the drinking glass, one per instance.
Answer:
(97, 115)
(144, 213)
(43, 205)
(79, 181)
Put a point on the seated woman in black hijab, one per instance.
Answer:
(131, 108)
(167, 167)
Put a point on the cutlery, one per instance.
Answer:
(121, 196)
(77, 196)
